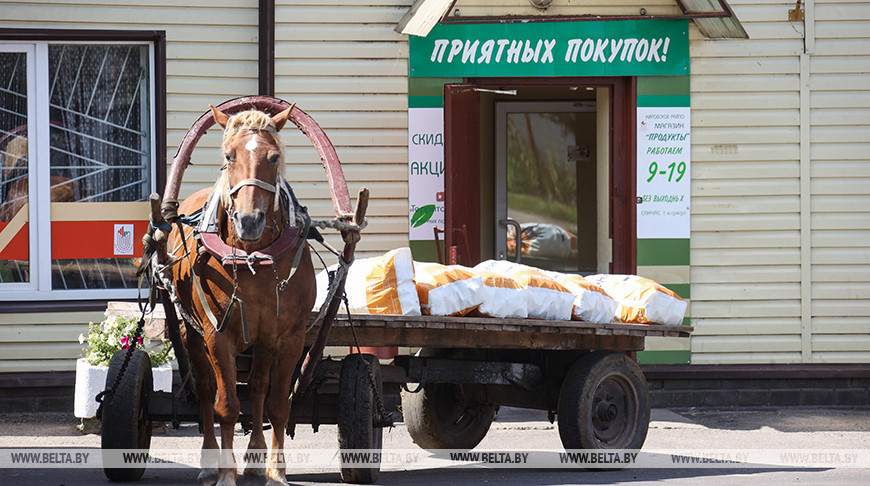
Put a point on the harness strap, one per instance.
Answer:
(199, 293)
(252, 182)
(298, 255)
(196, 285)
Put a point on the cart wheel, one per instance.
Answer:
(356, 416)
(126, 423)
(440, 416)
(604, 403)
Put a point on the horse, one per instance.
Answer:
(14, 160)
(268, 307)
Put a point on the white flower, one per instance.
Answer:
(105, 338)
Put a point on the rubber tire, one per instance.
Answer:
(604, 403)
(126, 423)
(356, 414)
(437, 418)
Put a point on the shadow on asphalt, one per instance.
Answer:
(784, 420)
(452, 476)
(542, 477)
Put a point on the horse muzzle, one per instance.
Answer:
(249, 225)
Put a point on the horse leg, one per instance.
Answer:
(206, 388)
(227, 407)
(278, 405)
(258, 384)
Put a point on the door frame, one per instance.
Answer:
(462, 184)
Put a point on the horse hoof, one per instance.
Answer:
(227, 481)
(208, 477)
(276, 478)
(258, 471)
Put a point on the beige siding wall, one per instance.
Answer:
(840, 185)
(42, 341)
(211, 50)
(342, 62)
(781, 177)
(486, 8)
(780, 216)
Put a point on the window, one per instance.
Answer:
(77, 148)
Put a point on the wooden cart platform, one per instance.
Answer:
(465, 332)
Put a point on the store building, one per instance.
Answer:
(717, 147)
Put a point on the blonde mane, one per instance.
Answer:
(250, 120)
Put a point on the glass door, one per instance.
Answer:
(548, 191)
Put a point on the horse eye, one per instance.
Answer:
(230, 156)
(274, 158)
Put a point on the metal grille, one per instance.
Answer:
(100, 142)
(100, 126)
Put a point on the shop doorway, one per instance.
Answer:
(547, 186)
(501, 135)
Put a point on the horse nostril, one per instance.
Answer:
(250, 225)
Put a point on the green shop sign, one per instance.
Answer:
(585, 48)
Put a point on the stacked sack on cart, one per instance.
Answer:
(394, 284)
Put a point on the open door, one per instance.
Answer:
(554, 155)
(462, 170)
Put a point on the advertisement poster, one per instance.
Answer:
(426, 171)
(663, 179)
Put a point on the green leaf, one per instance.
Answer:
(422, 214)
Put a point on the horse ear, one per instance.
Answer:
(281, 118)
(220, 117)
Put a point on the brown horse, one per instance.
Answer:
(250, 217)
(14, 158)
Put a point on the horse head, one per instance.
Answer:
(252, 172)
(14, 154)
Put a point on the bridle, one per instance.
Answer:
(252, 182)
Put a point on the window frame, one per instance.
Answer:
(37, 295)
(29, 51)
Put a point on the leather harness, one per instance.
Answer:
(207, 234)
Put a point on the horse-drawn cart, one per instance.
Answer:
(452, 388)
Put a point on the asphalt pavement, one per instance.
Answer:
(687, 447)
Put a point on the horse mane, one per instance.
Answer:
(250, 120)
